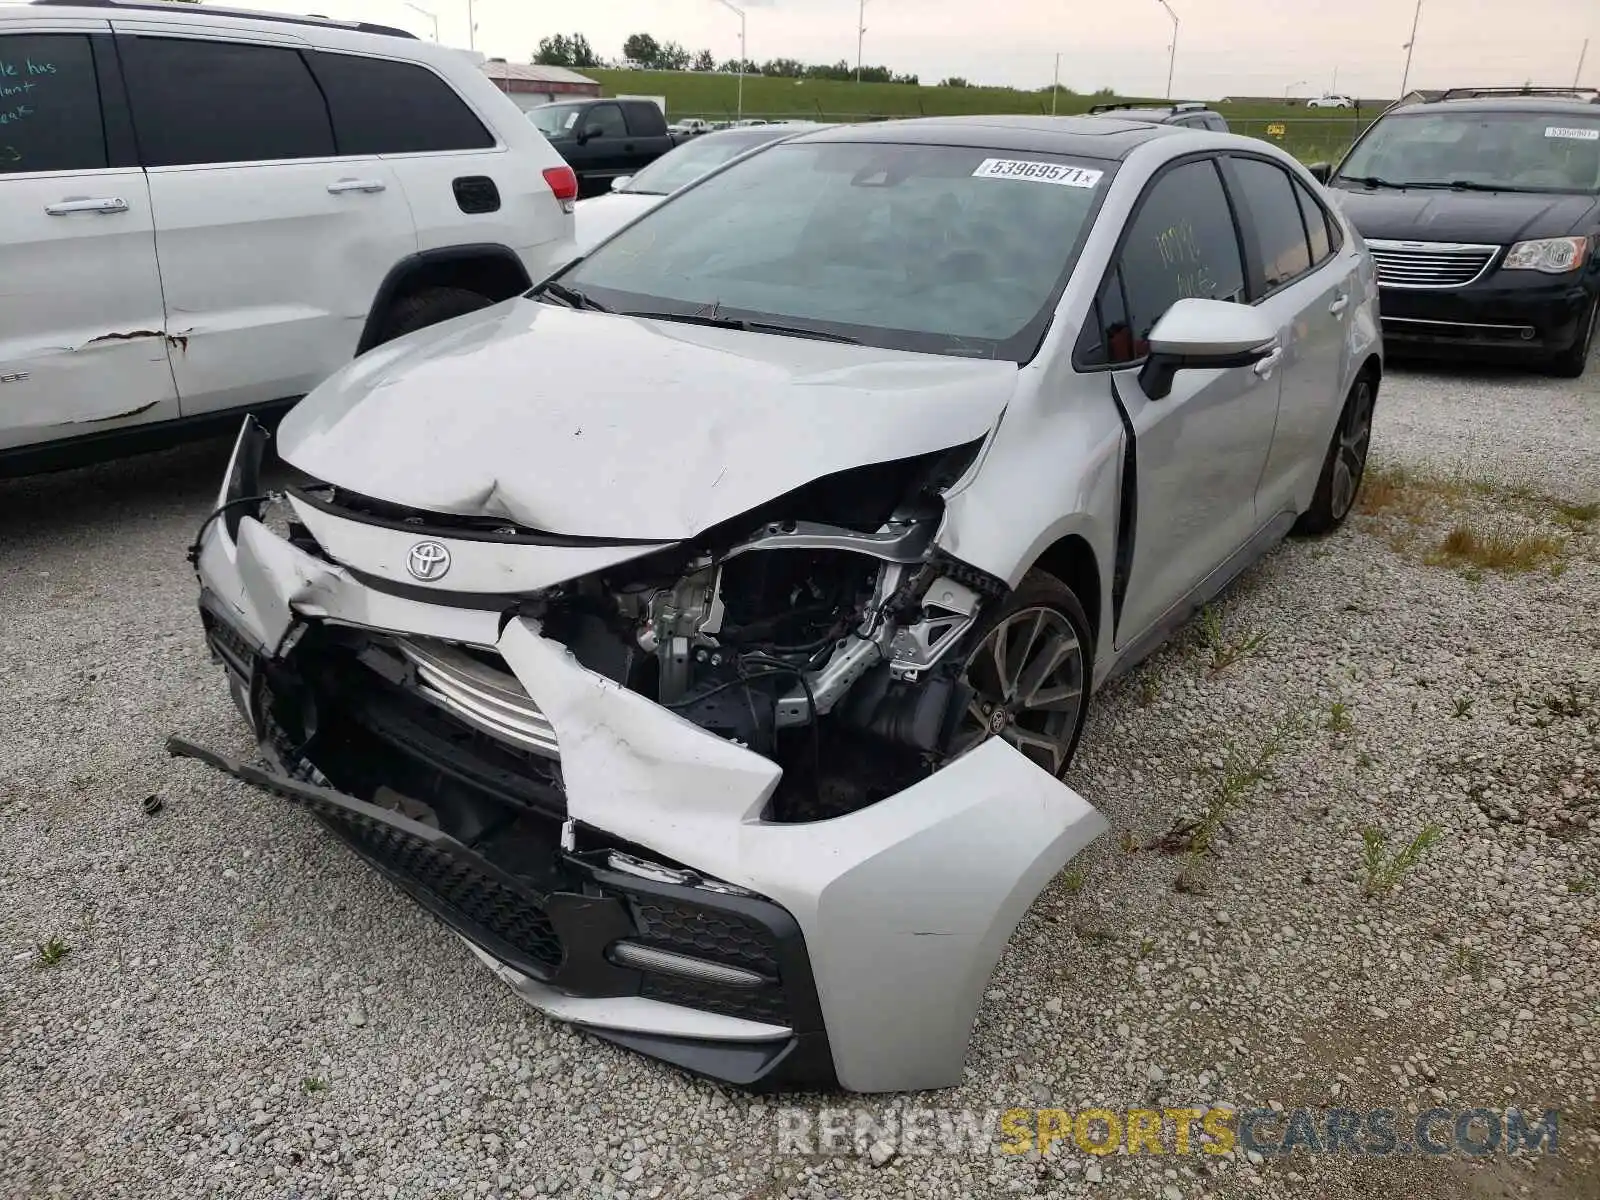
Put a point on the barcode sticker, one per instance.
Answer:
(1037, 172)
(1568, 131)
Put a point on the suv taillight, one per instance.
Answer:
(564, 183)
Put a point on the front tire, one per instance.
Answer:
(1345, 464)
(1031, 669)
(1572, 361)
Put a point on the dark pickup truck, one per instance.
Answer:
(602, 139)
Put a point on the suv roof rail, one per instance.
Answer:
(208, 10)
(1168, 105)
(1592, 95)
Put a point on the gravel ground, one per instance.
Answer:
(242, 1009)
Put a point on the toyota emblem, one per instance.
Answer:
(428, 561)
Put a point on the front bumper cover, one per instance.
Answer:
(886, 923)
(1514, 314)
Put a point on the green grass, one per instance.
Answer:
(1308, 134)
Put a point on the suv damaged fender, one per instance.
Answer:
(760, 867)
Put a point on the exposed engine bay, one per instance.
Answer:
(824, 644)
(823, 631)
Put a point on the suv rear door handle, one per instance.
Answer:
(1267, 365)
(107, 204)
(1338, 306)
(356, 185)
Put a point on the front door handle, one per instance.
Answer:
(1338, 306)
(1267, 365)
(106, 204)
(356, 185)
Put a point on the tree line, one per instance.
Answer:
(646, 52)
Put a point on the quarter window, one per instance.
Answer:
(1181, 244)
(385, 107)
(605, 120)
(1273, 225)
(197, 102)
(1317, 227)
(49, 105)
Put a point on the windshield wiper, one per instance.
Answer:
(1372, 181)
(571, 297)
(1470, 185)
(820, 335)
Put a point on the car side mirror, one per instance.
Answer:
(1197, 335)
(583, 135)
(1321, 171)
(620, 182)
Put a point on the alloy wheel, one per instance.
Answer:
(1350, 453)
(1028, 682)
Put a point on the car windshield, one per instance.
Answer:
(691, 160)
(949, 250)
(1512, 151)
(554, 119)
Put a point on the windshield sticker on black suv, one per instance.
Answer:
(1565, 131)
(1037, 172)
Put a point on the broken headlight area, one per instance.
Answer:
(830, 647)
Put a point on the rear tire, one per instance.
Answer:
(1345, 464)
(1570, 363)
(429, 307)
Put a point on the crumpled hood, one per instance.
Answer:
(1485, 218)
(589, 424)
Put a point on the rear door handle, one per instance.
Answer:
(106, 204)
(356, 185)
(1338, 306)
(1267, 365)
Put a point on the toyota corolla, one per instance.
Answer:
(705, 635)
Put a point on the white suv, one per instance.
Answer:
(209, 211)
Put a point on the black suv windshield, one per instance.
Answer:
(942, 249)
(553, 120)
(1512, 151)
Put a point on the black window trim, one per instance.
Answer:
(1114, 262)
(1255, 272)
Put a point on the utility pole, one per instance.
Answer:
(1172, 50)
(740, 13)
(1409, 46)
(472, 28)
(861, 34)
(1582, 54)
(1055, 86)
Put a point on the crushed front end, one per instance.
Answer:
(712, 800)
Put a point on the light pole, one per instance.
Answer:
(861, 34)
(1406, 78)
(472, 28)
(733, 8)
(1172, 50)
(1055, 86)
(1290, 88)
(434, 17)
(1582, 54)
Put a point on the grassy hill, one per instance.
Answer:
(1309, 134)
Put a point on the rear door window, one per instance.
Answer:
(1318, 232)
(1274, 229)
(1181, 244)
(385, 107)
(50, 116)
(197, 101)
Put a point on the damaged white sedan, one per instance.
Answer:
(704, 636)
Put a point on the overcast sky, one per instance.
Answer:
(1251, 47)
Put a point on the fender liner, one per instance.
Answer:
(427, 261)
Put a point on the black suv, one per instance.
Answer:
(1190, 113)
(1482, 211)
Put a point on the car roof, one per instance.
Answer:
(1550, 101)
(1085, 137)
(207, 14)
